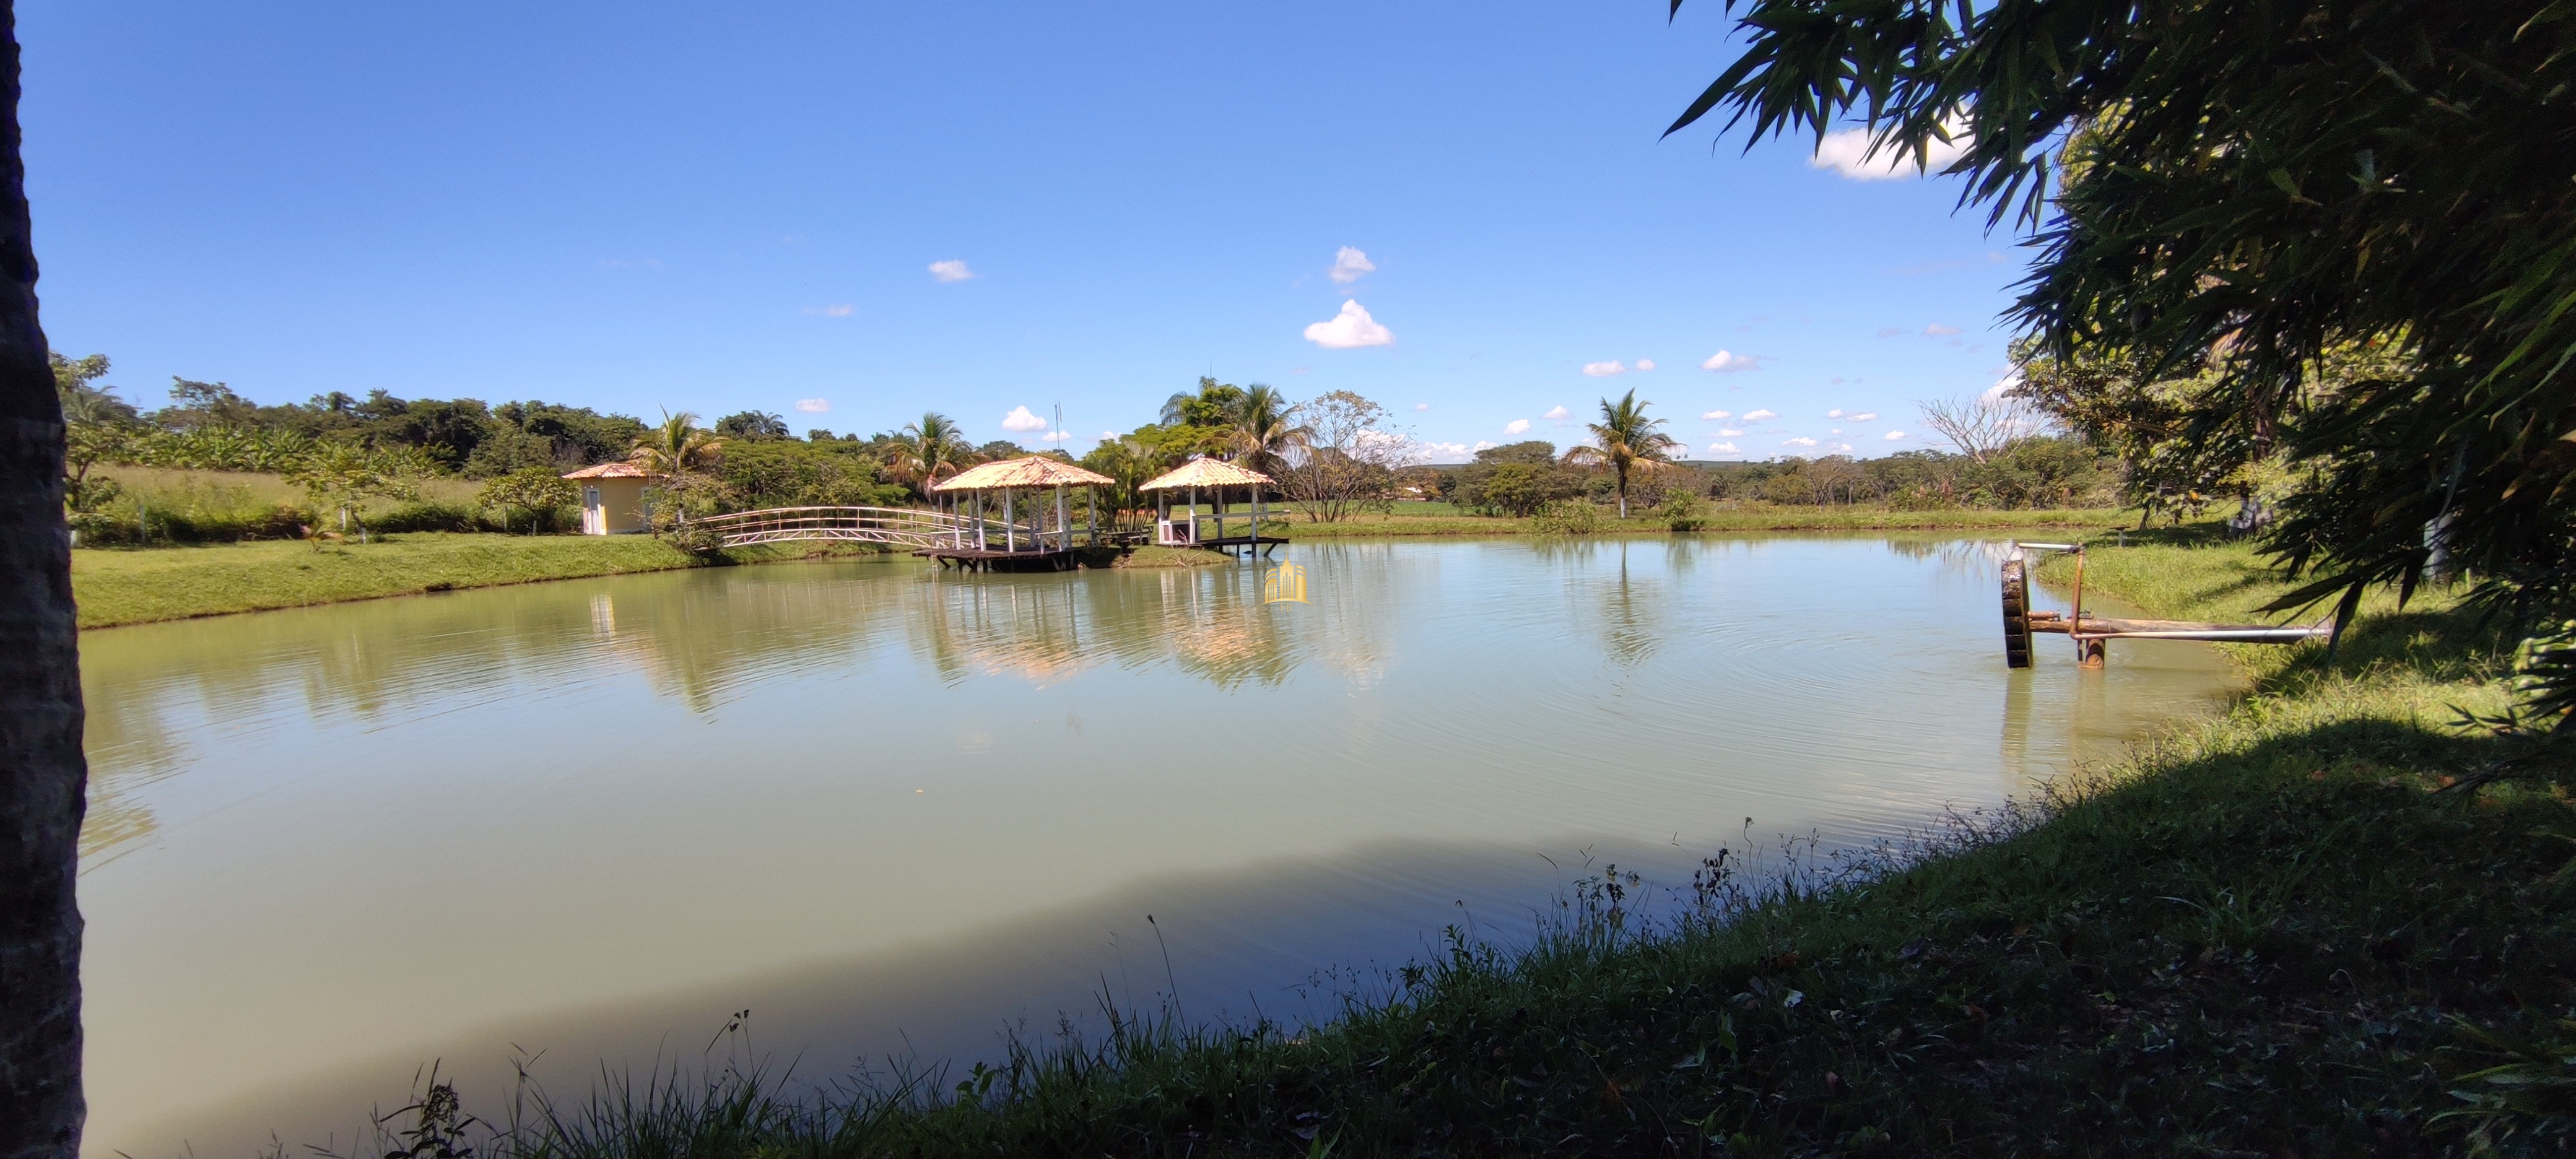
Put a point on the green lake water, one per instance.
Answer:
(896, 812)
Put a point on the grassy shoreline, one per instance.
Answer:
(120, 586)
(1723, 520)
(116, 587)
(2266, 933)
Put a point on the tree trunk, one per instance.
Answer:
(41, 769)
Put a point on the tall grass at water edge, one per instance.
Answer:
(2272, 932)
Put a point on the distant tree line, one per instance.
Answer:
(2032, 471)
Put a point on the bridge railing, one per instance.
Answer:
(901, 526)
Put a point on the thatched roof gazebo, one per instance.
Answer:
(1041, 536)
(1196, 530)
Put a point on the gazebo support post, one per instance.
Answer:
(1010, 520)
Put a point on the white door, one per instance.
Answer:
(594, 521)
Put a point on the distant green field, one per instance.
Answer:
(134, 586)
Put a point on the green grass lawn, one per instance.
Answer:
(2270, 933)
(133, 586)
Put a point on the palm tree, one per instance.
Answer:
(1265, 428)
(40, 709)
(1129, 462)
(677, 448)
(1622, 439)
(929, 451)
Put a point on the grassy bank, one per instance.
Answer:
(2268, 934)
(1441, 519)
(134, 586)
(167, 505)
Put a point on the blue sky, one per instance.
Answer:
(638, 206)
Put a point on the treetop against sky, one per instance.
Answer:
(848, 213)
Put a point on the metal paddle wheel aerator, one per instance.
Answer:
(2093, 634)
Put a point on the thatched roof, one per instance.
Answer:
(1207, 473)
(615, 470)
(1034, 471)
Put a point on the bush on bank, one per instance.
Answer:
(2269, 933)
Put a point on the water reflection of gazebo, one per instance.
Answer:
(980, 541)
(1209, 530)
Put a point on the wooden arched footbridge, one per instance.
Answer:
(951, 539)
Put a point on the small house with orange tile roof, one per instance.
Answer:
(612, 499)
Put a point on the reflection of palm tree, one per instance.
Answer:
(1265, 428)
(1631, 634)
(931, 450)
(678, 447)
(1623, 438)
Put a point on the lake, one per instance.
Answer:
(898, 812)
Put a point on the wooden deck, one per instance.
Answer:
(1247, 544)
(985, 559)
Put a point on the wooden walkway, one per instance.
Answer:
(987, 559)
(959, 541)
(1242, 544)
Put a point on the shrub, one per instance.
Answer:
(429, 515)
(537, 494)
(1567, 517)
(1685, 511)
(1920, 499)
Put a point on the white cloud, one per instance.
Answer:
(1889, 331)
(1482, 445)
(1055, 436)
(1448, 452)
(1937, 330)
(1893, 436)
(1349, 265)
(1422, 406)
(2010, 382)
(835, 310)
(1729, 362)
(1557, 414)
(1729, 432)
(1022, 422)
(1350, 330)
(1725, 448)
(1645, 364)
(1835, 431)
(1716, 415)
(1867, 416)
(952, 270)
(1801, 441)
(1604, 369)
(1835, 413)
(1845, 447)
(814, 406)
(1759, 415)
(1848, 153)
(1517, 427)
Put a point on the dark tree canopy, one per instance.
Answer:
(2245, 186)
